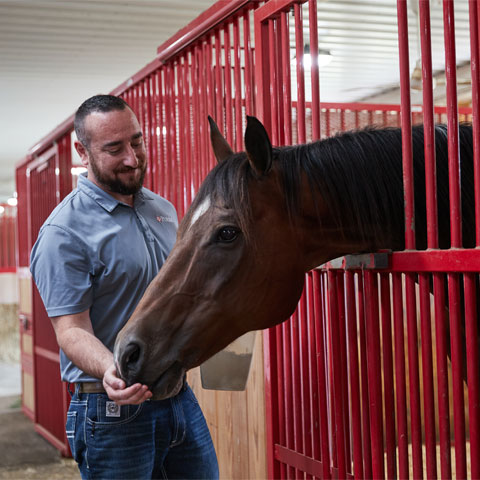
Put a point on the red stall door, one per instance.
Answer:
(42, 181)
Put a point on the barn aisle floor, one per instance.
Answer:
(24, 454)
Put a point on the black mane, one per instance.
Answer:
(359, 176)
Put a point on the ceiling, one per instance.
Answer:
(56, 53)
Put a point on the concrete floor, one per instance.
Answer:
(24, 454)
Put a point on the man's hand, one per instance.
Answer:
(117, 391)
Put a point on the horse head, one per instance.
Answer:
(236, 266)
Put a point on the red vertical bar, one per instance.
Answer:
(388, 387)
(272, 359)
(471, 334)
(218, 81)
(262, 73)
(337, 380)
(297, 390)
(457, 374)
(280, 426)
(452, 122)
(299, 47)
(181, 133)
(247, 52)
(406, 117)
(313, 374)
(313, 27)
(374, 374)
(148, 129)
(344, 365)
(187, 101)
(442, 375)
(237, 75)
(210, 100)
(154, 159)
(196, 151)
(428, 124)
(228, 84)
(367, 447)
(274, 104)
(203, 136)
(400, 377)
(306, 447)
(414, 379)
(354, 380)
(427, 371)
(321, 369)
(169, 134)
(286, 77)
(474, 14)
(161, 139)
(288, 393)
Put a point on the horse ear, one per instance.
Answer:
(258, 146)
(220, 146)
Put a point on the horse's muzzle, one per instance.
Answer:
(129, 361)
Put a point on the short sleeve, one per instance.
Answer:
(61, 270)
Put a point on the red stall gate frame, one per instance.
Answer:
(43, 179)
(293, 448)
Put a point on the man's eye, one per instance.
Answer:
(137, 144)
(227, 234)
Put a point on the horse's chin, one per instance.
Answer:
(169, 384)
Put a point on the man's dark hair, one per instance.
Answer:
(97, 103)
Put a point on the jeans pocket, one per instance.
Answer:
(70, 428)
(103, 412)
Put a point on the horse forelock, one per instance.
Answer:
(226, 185)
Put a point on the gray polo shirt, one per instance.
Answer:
(96, 253)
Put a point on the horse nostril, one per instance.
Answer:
(131, 358)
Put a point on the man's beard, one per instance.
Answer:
(116, 185)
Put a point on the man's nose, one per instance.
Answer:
(130, 159)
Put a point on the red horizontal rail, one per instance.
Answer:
(8, 270)
(448, 261)
(203, 24)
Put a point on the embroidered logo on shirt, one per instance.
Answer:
(112, 409)
(161, 219)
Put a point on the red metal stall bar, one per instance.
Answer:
(432, 242)
(471, 309)
(456, 238)
(406, 124)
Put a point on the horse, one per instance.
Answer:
(262, 219)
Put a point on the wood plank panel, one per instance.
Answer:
(237, 421)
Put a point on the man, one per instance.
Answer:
(94, 257)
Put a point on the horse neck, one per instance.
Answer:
(363, 213)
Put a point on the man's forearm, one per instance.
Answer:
(86, 351)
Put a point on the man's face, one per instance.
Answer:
(115, 156)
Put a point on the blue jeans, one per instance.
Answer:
(157, 439)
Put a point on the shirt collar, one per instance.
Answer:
(104, 199)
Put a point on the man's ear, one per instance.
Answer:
(82, 152)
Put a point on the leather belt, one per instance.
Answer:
(90, 387)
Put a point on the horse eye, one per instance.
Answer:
(227, 234)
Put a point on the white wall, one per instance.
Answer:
(8, 288)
